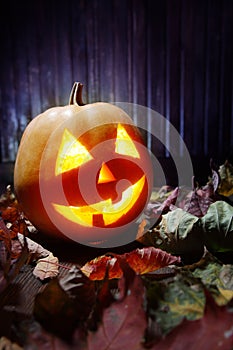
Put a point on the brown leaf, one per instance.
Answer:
(6, 235)
(8, 199)
(36, 251)
(6, 344)
(65, 303)
(141, 229)
(226, 183)
(81, 289)
(12, 214)
(46, 267)
(140, 260)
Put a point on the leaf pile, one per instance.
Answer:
(172, 293)
(140, 260)
(201, 218)
(180, 232)
(163, 309)
(16, 248)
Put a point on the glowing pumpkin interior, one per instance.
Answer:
(72, 154)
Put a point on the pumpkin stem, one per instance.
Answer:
(76, 95)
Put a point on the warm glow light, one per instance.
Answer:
(71, 154)
(105, 175)
(110, 212)
(124, 145)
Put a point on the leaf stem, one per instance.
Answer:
(53, 263)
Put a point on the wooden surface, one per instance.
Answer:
(17, 300)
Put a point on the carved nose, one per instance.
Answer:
(105, 175)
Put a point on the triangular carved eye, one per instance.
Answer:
(71, 155)
(124, 144)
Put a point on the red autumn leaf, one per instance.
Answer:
(96, 268)
(149, 259)
(200, 199)
(142, 261)
(213, 331)
(13, 216)
(10, 214)
(123, 322)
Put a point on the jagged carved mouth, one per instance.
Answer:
(103, 213)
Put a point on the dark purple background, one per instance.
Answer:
(174, 56)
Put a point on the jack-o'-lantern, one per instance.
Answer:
(83, 172)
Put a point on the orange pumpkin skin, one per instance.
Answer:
(38, 152)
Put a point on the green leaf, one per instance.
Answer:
(170, 303)
(213, 331)
(217, 279)
(178, 233)
(217, 226)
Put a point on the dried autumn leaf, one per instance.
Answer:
(169, 302)
(226, 175)
(215, 178)
(13, 255)
(161, 194)
(149, 259)
(213, 331)
(217, 227)
(12, 214)
(96, 269)
(217, 279)
(6, 235)
(36, 251)
(81, 289)
(16, 249)
(141, 229)
(157, 208)
(6, 344)
(8, 199)
(55, 310)
(178, 232)
(46, 267)
(65, 303)
(140, 260)
(154, 210)
(200, 200)
(124, 321)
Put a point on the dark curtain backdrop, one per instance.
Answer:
(174, 56)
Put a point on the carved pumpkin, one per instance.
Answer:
(82, 171)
